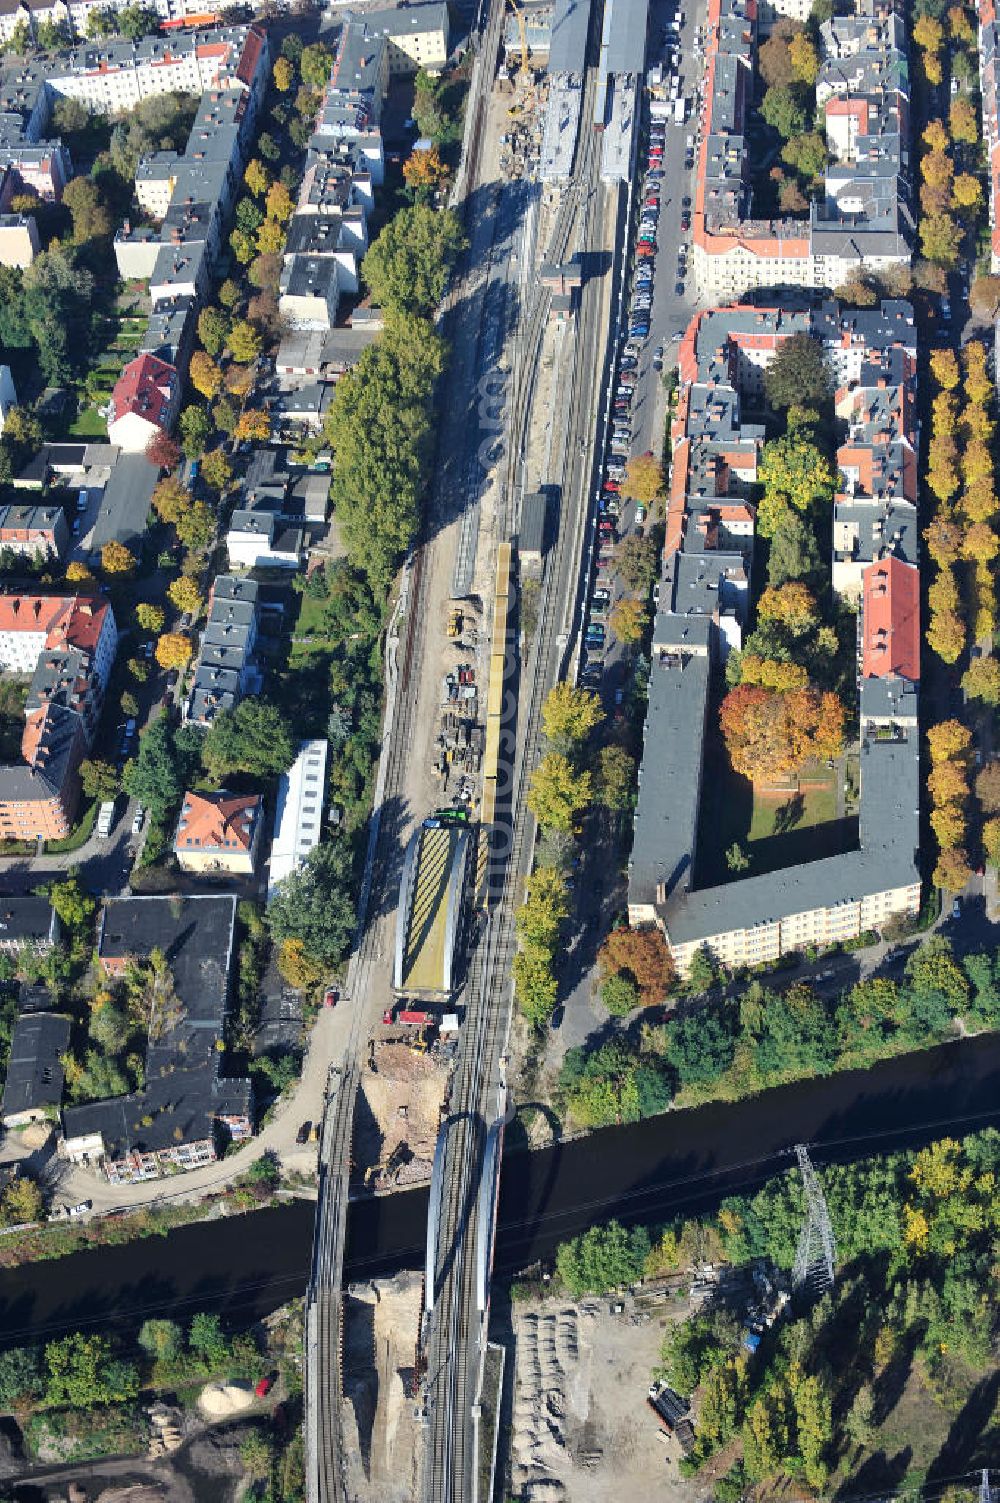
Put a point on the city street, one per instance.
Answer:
(670, 313)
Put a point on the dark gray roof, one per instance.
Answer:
(531, 536)
(27, 921)
(34, 1070)
(666, 816)
(59, 748)
(890, 835)
(125, 505)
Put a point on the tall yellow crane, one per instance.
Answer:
(522, 28)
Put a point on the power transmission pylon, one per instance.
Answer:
(816, 1256)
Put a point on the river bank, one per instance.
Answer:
(246, 1266)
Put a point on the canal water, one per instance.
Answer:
(245, 1266)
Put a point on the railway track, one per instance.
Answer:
(326, 1462)
(451, 1464)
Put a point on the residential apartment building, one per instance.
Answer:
(703, 610)
(863, 220)
(219, 832)
(226, 669)
(144, 402)
(175, 1121)
(35, 531)
(67, 644)
(19, 242)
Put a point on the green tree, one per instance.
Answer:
(160, 1339)
(379, 426)
(793, 553)
(808, 155)
(91, 215)
(254, 738)
(616, 777)
(570, 716)
(702, 1046)
(137, 21)
(150, 617)
(783, 112)
(939, 990)
(315, 66)
(558, 792)
(535, 985)
(83, 1374)
(256, 1455)
(620, 995)
(75, 908)
(154, 776)
(196, 526)
(216, 471)
(98, 779)
(603, 1258)
(814, 1420)
(213, 329)
(315, 904)
(207, 1340)
(21, 1375)
(799, 374)
(195, 430)
(244, 341)
(409, 262)
(544, 910)
(22, 1201)
(796, 475)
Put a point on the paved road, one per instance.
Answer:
(277, 1136)
(670, 312)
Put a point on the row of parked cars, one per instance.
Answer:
(620, 437)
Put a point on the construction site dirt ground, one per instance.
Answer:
(398, 1115)
(383, 1435)
(576, 1426)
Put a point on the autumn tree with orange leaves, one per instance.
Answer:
(642, 956)
(772, 734)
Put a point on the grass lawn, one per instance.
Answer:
(311, 620)
(775, 828)
(775, 812)
(88, 423)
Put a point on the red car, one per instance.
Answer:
(611, 487)
(265, 1385)
(331, 997)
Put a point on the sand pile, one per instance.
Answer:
(220, 1400)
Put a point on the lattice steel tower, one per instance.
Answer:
(816, 1255)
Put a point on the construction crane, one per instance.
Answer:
(522, 28)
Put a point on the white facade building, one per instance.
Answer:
(299, 817)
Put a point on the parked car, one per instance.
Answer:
(265, 1384)
(140, 815)
(302, 1136)
(81, 1208)
(331, 996)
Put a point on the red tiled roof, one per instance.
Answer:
(144, 387)
(891, 620)
(218, 821)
